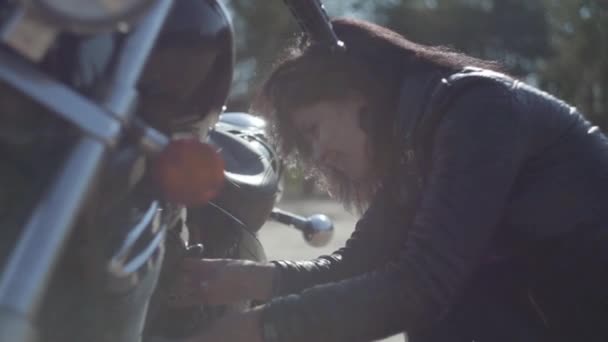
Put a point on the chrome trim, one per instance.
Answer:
(132, 237)
(144, 257)
(30, 265)
(151, 140)
(102, 124)
(27, 34)
(63, 101)
(125, 269)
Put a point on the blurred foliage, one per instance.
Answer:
(559, 45)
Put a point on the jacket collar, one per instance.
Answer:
(414, 94)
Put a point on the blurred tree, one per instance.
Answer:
(561, 45)
(579, 71)
(513, 32)
(261, 29)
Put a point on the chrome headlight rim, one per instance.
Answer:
(86, 24)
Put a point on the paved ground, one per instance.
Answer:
(283, 242)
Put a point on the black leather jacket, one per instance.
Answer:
(516, 175)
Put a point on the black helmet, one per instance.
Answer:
(189, 73)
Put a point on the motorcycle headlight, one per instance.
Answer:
(87, 16)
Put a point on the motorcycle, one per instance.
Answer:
(227, 226)
(89, 102)
(101, 193)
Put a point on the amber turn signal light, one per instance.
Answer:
(189, 172)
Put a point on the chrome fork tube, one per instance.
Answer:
(39, 247)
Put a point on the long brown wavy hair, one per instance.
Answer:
(374, 65)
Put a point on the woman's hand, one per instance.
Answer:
(233, 327)
(222, 281)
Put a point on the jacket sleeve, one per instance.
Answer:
(478, 150)
(372, 243)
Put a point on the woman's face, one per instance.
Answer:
(333, 132)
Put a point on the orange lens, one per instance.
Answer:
(189, 172)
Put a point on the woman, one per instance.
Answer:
(485, 212)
